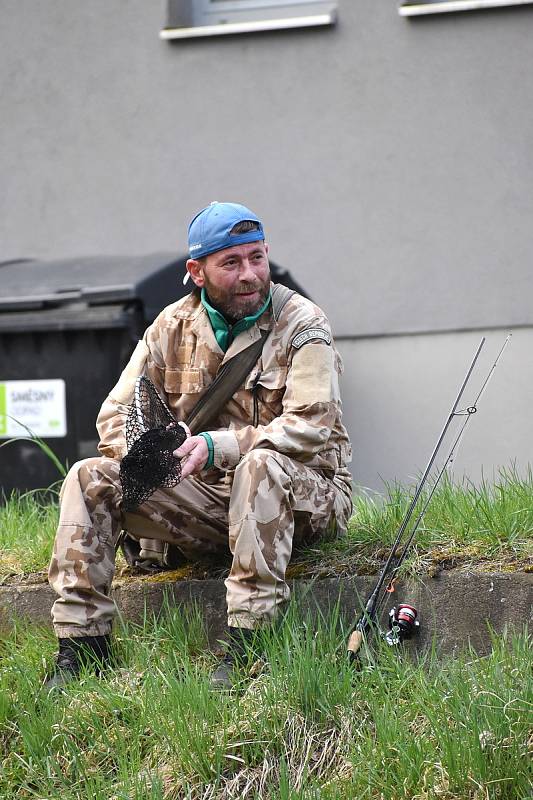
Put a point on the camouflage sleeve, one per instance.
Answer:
(111, 420)
(310, 403)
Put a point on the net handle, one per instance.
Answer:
(137, 403)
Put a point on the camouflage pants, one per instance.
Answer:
(271, 501)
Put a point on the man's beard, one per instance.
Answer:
(231, 306)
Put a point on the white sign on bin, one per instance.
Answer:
(39, 405)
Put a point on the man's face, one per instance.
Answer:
(237, 279)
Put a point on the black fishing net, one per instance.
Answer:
(152, 434)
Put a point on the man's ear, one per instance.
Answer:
(196, 271)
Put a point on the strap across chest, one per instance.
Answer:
(235, 371)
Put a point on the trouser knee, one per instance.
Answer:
(99, 481)
(90, 499)
(261, 483)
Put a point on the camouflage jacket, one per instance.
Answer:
(294, 386)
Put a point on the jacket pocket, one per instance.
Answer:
(269, 380)
(267, 390)
(183, 381)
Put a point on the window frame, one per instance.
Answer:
(194, 18)
(413, 9)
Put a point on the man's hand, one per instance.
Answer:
(193, 454)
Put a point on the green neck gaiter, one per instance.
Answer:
(224, 332)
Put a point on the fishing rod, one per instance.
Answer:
(403, 619)
(467, 413)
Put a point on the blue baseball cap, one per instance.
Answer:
(210, 229)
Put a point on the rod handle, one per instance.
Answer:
(354, 643)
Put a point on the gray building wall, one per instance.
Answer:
(391, 160)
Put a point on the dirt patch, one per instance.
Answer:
(420, 564)
(424, 564)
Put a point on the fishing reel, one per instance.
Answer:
(403, 623)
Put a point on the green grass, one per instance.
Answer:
(307, 725)
(490, 525)
(27, 528)
(484, 527)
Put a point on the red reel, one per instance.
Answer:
(403, 622)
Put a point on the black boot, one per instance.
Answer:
(240, 642)
(74, 654)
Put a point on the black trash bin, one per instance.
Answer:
(67, 328)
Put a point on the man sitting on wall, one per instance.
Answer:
(273, 468)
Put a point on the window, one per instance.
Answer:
(411, 8)
(190, 18)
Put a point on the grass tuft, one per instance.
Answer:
(28, 523)
(487, 527)
(306, 726)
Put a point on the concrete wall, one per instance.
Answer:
(475, 604)
(398, 392)
(390, 159)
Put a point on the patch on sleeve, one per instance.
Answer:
(309, 335)
(311, 375)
